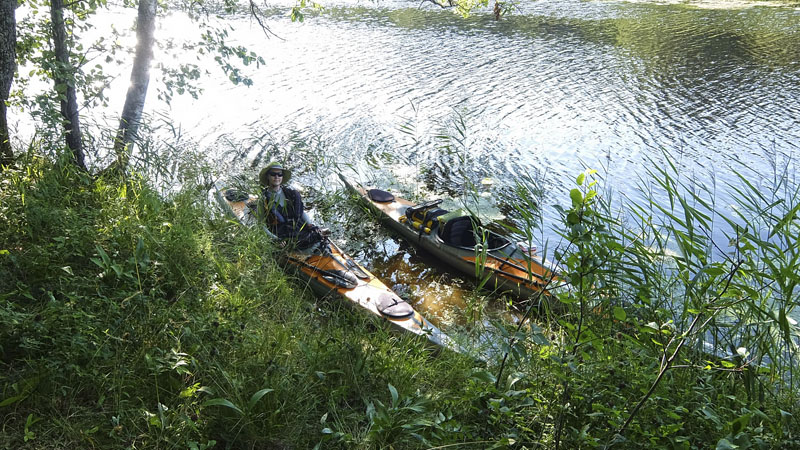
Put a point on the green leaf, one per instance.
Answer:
(222, 402)
(740, 424)
(672, 429)
(503, 443)
(783, 322)
(483, 375)
(715, 271)
(573, 218)
(576, 196)
(724, 444)
(12, 400)
(257, 396)
(393, 391)
(153, 419)
(581, 178)
(620, 314)
(371, 410)
(785, 220)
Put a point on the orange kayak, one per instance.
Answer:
(331, 272)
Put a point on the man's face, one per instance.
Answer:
(275, 177)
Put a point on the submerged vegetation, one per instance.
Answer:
(134, 319)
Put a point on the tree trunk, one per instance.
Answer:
(8, 65)
(140, 78)
(65, 84)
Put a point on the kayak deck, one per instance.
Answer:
(331, 272)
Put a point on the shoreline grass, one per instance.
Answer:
(133, 319)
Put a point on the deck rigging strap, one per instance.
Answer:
(338, 278)
(348, 265)
(422, 225)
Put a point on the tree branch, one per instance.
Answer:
(442, 4)
(667, 362)
(256, 13)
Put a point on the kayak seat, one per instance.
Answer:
(457, 228)
(377, 195)
(232, 195)
(459, 232)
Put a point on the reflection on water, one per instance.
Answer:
(558, 86)
(420, 281)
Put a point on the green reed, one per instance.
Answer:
(675, 317)
(651, 281)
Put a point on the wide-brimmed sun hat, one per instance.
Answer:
(263, 177)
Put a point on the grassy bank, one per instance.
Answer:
(135, 320)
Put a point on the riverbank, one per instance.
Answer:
(138, 320)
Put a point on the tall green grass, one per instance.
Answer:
(676, 324)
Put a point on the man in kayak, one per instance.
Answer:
(282, 207)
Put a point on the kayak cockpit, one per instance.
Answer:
(463, 231)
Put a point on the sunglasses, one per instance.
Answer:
(275, 174)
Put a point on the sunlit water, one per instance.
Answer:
(545, 92)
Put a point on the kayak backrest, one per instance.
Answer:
(392, 306)
(232, 195)
(456, 228)
(380, 196)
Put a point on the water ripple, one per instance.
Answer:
(562, 85)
